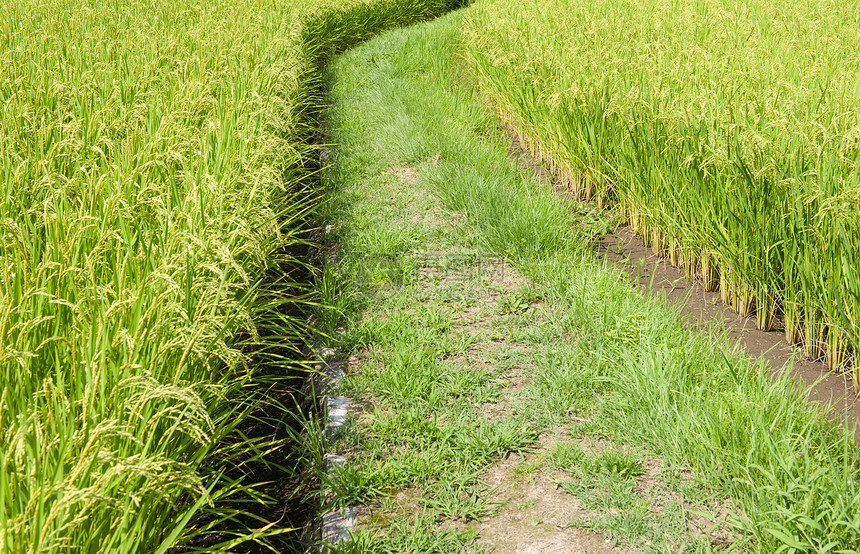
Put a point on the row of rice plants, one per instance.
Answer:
(728, 132)
(150, 176)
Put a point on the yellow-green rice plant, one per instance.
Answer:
(150, 183)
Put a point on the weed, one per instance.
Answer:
(566, 456)
(464, 498)
(615, 463)
(354, 485)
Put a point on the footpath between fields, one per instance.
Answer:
(510, 392)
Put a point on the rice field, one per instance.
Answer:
(151, 183)
(155, 165)
(728, 132)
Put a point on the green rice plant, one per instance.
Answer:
(726, 131)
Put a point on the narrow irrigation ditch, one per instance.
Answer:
(511, 393)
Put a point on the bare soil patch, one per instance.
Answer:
(535, 514)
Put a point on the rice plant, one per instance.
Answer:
(151, 182)
(727, 132)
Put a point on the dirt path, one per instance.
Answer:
(553, 493)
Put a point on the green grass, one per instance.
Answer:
(567, 338)
(725, 130)
(152, 202)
